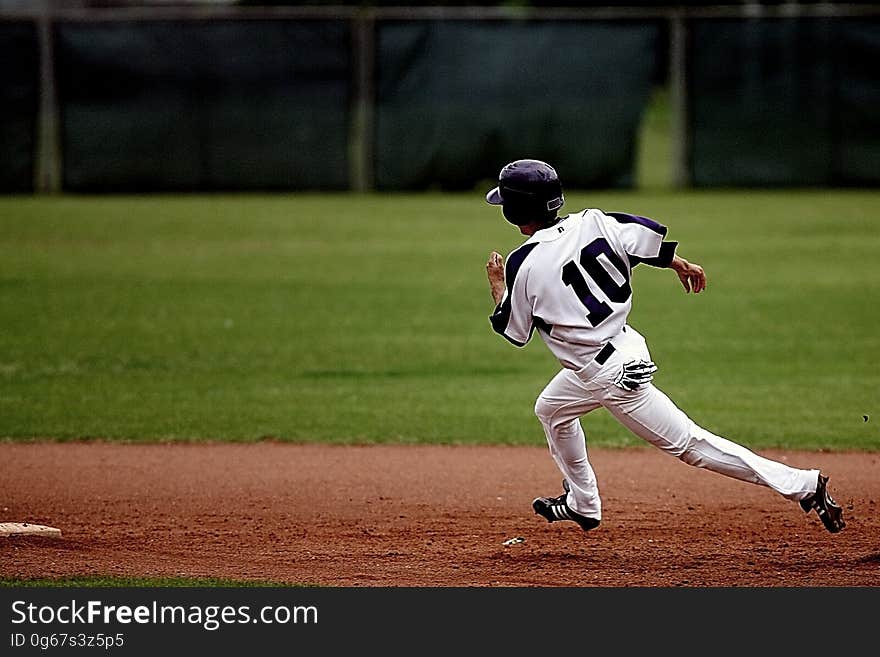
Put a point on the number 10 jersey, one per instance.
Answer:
(571, 281)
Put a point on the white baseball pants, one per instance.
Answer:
(651, 415)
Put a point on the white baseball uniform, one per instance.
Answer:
(571, 282)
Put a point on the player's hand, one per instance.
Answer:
(691, 275)
(495, 274)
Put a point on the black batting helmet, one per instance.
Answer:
(528, 190)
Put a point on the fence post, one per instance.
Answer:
(362, 133)
(679, 104)
(47, 169)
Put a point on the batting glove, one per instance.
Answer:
(635, 373)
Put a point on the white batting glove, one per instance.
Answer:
(635, 373)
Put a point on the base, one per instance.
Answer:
(27, 529)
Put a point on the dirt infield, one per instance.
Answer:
(421, 516)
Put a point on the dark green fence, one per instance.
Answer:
(19, 101)
(330, 98)
(220, 105)
(785, 102)
(456, 99)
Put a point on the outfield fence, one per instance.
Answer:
(400, 98)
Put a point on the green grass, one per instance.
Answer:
(363, 318)
(94, 581)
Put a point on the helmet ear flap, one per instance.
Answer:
(555, 204)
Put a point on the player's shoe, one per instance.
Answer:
(556, 508)
(827, 509)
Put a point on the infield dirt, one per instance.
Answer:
(427, 516)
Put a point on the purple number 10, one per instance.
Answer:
(599, 311)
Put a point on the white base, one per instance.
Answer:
(27, 529)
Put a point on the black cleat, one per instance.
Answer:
(555, 508)
(827, 509)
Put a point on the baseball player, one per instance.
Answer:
(571, 280)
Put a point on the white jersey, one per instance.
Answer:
(571, 281)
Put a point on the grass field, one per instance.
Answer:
(363, 318)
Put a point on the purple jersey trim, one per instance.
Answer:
(663, 259)
(501, 317)
(625, 218)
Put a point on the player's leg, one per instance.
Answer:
(651, 415)
(559, 408)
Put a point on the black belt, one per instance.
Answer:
(604, 353)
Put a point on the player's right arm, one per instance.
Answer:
(643, 240)
(691, 275)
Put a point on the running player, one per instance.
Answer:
(571, 280)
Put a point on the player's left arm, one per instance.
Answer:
(495, 274)
(513, 314)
